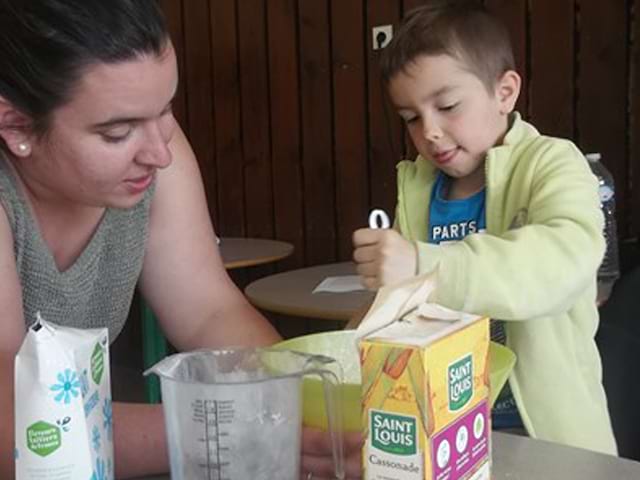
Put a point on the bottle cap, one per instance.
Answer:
(593, 157)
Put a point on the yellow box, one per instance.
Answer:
(425, 397)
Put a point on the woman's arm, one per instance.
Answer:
(183, 278)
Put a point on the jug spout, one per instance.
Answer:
(165, 367)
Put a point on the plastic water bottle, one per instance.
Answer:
(609, 270)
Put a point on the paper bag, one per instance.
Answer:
(63, 422)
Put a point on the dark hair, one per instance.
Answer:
(46, 45)
(464, 30)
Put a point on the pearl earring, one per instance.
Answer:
(23, 147)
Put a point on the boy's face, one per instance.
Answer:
(451, 117)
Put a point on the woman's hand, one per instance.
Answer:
(317, 459)
(383, 257)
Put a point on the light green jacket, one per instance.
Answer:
(536, 268)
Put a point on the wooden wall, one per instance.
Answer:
(282, 102)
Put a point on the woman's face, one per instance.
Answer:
(103, 148)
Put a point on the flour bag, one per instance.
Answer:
(63, 422)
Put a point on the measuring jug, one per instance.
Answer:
(236, 414)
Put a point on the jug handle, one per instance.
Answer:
(334, 414)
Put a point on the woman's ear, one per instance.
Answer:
(507, 91)
(15, 129)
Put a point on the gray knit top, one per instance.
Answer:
(95, 291)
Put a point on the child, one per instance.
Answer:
(508, 218)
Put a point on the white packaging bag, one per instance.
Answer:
(63, 421)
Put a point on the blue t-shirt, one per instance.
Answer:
(451, 221)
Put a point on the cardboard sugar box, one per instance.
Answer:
(425, 390)
(63, 416)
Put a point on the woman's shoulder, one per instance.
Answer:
(182, 166)
(179, 194)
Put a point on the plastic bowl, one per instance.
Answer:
(340, 346)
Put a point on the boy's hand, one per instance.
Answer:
(317, 459)
(383, 257)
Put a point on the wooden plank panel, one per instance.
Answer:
(349, 121)
(408, 5)
(385, 132)
(602, 85)
(410, 151)
(255, 118)
(173, 14)
(551, 86)
(514, 15)
(285, 127)
(633, 163)
(230, 220)
(199, 97)
(318, 168)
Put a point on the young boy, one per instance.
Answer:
(508, 218)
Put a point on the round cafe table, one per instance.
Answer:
(248, 252)
(290, 293)
(522, 458)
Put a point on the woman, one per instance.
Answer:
(100, 191)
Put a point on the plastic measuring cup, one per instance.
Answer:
(236, 414)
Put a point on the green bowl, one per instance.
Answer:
(501, 362)
(340, 346)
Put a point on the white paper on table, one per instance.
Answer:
(341, 284)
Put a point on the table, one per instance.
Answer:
(248, 252)
(522, 458)
(289, 293)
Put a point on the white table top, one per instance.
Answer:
(290, 293)
(522, 458)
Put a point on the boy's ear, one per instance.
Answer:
(507, 91)
(15, 129)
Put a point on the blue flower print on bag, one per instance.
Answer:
(100, 472)
(107, 424)
(84, 382)
(68, 386)
(96, 438)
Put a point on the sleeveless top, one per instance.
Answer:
(97, 289)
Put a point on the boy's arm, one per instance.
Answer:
(537, 269)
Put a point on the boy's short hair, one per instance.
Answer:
(464, 30)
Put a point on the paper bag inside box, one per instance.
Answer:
(425, 388)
